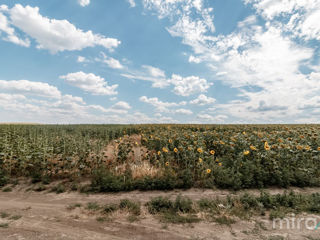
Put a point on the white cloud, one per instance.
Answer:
(82, 59)
(90, 83)
(122, 105)
(159, 105)
(193, 59)
(154, 72)
(132, 3)
(151, 74)
(186, 86)
(109, 61)
(183, 111)
(264, 62)
(55, 35)
(303, 15)
(212, 119)
(10, 32)
(31, 88)
(84, 3)
(203, 100)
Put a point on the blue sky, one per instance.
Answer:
(160, 61)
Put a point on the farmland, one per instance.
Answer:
(115, 158)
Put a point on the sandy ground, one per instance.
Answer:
(45, 216)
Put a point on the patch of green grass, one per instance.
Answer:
(40, 188)
(224, 220)
(133, 218)
(74, 206)
(159, 204)
(132, 207)
(4, 225)
(173, 217)
(110, 208)
(7, 189)
(58, 188)
(93, 206)
(276, 237)
(4, 215)
(102, 219)
(15, 217)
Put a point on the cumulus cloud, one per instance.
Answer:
(186, 86)
(160, 105)
(90, 83)
(10, 33)
(212, 119)
(84, 3)
(183, 111)
(52, 34)
(203, 100)
(30, 88)
(122, 105)
(109, 61)
(263, 60)
(132, 3)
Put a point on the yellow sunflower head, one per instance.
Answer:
(208, 170)
(175, 150)
(246, 152)
(164, 150)
(167, 164)
(212, 152)
(253, 148)
(200, 150)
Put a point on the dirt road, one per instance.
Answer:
(34, 215)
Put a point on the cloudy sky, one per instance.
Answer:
(160, 61)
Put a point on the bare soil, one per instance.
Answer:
(43, 215)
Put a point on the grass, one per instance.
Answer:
(7, 189)
(4, 225)
(224, 220)
(74, 206)
(93, 206)
(58, 188)
(4, 215)
(132, 207)
(15, 217)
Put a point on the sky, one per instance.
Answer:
(160, 61)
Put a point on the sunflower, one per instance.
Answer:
(200, 160)
(253, 148)
(164, 150)
(220, 164)
(167, 164)
(244, 133)
(266, 146)
(208, 170)
(199, 150)
(212, 152)
(159, 153)
(299, 147)
(170, 140)
(318, 148)
(175, 150)
(222, 142)
(308, 148)
(246, 152)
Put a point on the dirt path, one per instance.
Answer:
(36, 215)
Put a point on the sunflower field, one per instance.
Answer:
(148, 157)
